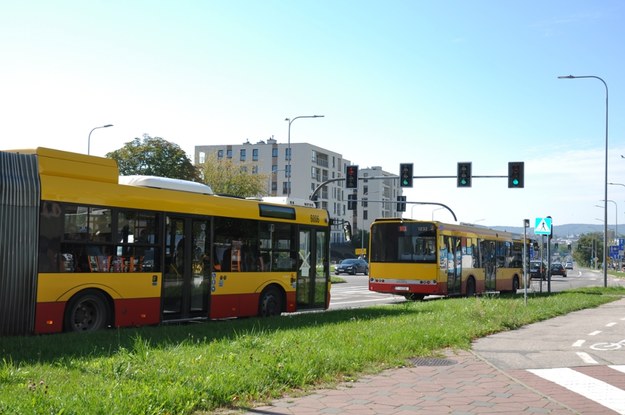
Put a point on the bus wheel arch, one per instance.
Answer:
(414, 297)
(271, 301)
(88, 310)
(470, 291)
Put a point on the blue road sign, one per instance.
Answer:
(542, 226)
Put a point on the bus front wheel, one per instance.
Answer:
(87, 311)
(270, 303)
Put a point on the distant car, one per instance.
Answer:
(568, 265)
(538, 270)
(352, 266)
(558, 269)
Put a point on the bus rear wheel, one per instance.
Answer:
(471, 287)
(515, 284)
(87, 311)
(270, 303)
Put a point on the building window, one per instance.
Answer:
(220, 154)
(287, 154)
(242, 154)
(274, 152)
(254, 169)
(229, 154)
(287, 171)
(255, 154)
(285, 188)
(365, 215)
(202, 157)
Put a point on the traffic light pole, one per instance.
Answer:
(313, 195)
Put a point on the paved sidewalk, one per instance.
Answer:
(462, 383)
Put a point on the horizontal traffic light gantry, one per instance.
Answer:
(515, 174)
(405, 174)
(351, 179)
(464, 174)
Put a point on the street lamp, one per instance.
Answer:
(616, 215)
(433, 210)
(290, 120)
(617, 184)
(605, 208)
(89, 139)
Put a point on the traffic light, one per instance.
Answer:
(351, 181)
(405, 174)
(401, 203)
(515, 174)
(464, 174)
(351, 202)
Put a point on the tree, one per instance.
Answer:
(589, 245)
(154, 156)
(228, 178)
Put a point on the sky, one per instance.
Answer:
(428, 82)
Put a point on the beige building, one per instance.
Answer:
(309, 167)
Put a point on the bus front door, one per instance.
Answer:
(186, 281)
(489, 264)
(313, 270)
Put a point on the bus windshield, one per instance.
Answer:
(403, 242)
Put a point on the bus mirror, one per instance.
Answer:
(347, 228)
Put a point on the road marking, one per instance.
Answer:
(596, 390)
(586, 358)
(611, 324)
(362, 301)
(594, 333)
(620, 368)
(579, 343)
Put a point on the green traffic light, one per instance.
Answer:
(515, 182)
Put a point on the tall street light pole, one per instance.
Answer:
(290, 120)
(89, 139)
(605, 197)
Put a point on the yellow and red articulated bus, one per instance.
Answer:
(82, 248)
(416, 259)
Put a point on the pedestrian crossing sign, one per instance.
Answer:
(542, 226)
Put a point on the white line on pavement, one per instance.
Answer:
(586, 358)
(596, 390)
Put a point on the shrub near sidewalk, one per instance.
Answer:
(233, 364)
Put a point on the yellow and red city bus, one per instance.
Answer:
(82, 248)
(420, 258)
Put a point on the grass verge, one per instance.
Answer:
(198, 368)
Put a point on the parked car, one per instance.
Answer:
(558, 269)
(352, 266)
(538, 269)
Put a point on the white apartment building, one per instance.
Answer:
(310, 166)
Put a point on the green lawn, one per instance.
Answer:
(198, 368)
